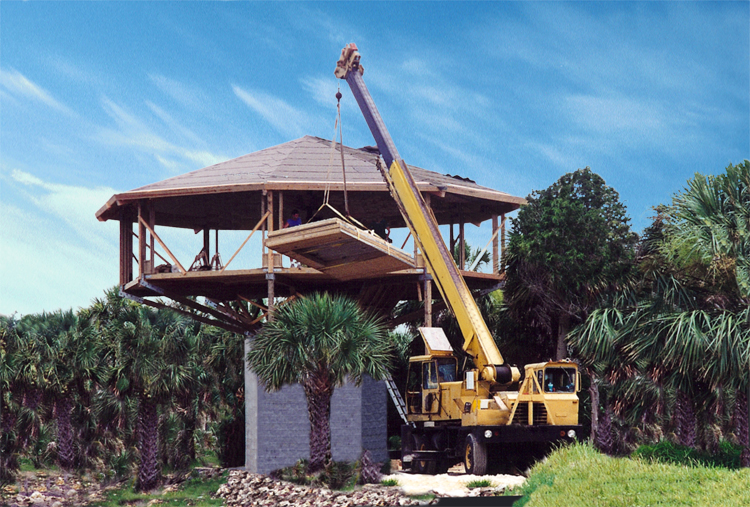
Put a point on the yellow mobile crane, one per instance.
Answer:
(489, 415)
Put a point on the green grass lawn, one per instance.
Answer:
(194, 492)
(581, 476)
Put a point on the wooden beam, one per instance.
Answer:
(270, 230)
(260, 222)
(166, 249)
(155, 252)
(495, 247)
(502, 241)
(152, 223)
(195, 316)
(461, 245)
(141, 239)
(427, 300)
(257, 305)
(126, 250)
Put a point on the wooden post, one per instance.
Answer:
(126, 249)
(152, 224)
(270, 276)
(502, 241)
(141, 239)
(427, 300)
(270, 229)
(453, 239)
(263, 227)
(207, 241)
(461, 245)
(495, 248)
(281, 209)
(271, 295)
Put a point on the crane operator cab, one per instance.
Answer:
(430, 374)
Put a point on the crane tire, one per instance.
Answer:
(475, 455)
(421, 443)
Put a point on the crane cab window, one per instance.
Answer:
(446, 370)
(559, 380)
(429, 372)
(414, 389)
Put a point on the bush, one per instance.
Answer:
(481, 483)
(727, 456)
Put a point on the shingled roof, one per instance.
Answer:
(303, 169)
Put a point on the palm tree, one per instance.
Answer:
(148, 357)
(687, 323)
(9, 359)
(72, 364)
(226, 370)
(318, 341)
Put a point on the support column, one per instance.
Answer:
(141, 238)
(502, 241)
(461, 246)
(427, 300)
(453, 239)
(251, 413)
(126, 250)
(495, 247)
(152, 224)
(270, 276)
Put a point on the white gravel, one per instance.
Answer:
(450, 484)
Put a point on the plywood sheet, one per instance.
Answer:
(339, 249)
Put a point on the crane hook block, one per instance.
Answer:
(349, 61)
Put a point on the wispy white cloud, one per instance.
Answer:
(133, 132)
(173, 124)
(19, 85)
(75, 205)
(282, 116)
(182, 93)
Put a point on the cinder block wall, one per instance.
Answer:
(277, 428)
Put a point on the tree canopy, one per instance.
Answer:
(570, 244)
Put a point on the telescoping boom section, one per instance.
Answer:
(485, 415)
(478, 340)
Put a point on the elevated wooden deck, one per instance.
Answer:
(252, 284)
(340, 250)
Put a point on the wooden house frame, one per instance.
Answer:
(255, 193)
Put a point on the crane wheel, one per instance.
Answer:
(475, 455)
(421, 443)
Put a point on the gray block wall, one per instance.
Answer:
(277, 428)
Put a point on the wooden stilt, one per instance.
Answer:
(495, 247)
(152, 223)
(427, 300)
(461, 245)
(502, 242)
(141, 238)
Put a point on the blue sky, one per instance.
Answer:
(100, 98)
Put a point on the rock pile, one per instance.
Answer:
(40, 489)
(248, 489)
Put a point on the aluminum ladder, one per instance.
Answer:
(397, 399)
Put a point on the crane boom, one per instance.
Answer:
(478, 340)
